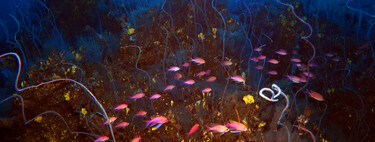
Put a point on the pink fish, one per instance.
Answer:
(101, 139)
(137, 139)
(261, 57)
(206, 90)
(281, 52)
(141, 113)
(189, 82)
(272, 72)
(293, 78)
(185, 65)
(211, 79)
(296, 60)
(315, 95)
(273, 61)
(137, 96)
(308, 74)
(192, 130)
(111, 119)
(202, 73)
(168, 88)
(238, 79)
(255, 59)
(198, 61)
(122, 125)
(258, 49)
(174, 68)
(177, 76)
(236, 126)
(157, 120)
(155, 96)
(227, 63)
(259, 67)
(120, 107)
(218, 128)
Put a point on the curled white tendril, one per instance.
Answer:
(273, 97)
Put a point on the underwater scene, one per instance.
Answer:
(187, 70)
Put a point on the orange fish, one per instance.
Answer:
(258, 49)
(122, 125)
(198, 61)
(272, 72)
(155, 96)
(236, 126)
(137, 96)
(168, 88)
(192, 130)
(238, 79)
(281, 52)
(315, 95)
(206, 90)
(296, 60)
(177, 76)
(157, 120)
(273, 61)
(111, 119)
(189, 82)
(137, 139)
(101, 139)
(227, 63)
(141, 113)
(211, 79)
(120, 107)
(173, 69)
(186, 64)
(218, 128)
(202, 73)
(259, 67)
(261, 57)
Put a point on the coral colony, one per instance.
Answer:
(195, 70)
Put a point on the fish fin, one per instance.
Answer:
(157, 126)
(234, 132)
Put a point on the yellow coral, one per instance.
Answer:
(131, 31)
(83, 111)
(38, 119)
(201, 36)
(67, 96)
(248, 99)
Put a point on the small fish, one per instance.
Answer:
(255, 59)
(259, 67)
(308, 74)
(137, 139)
(211, 79)
(227, 63)
(192, 130)
(261, 57)
(315, 95)
(238, 79)
(189, 82)
(198, 61)
(281, 52)
(168, 88)
(273, 61)
(218, 128)
(111, 119)
(120, 107)
(272, 72)
(258, 49)
(157, 120)
(101, 139)
(137, 96)
(174, 69)
(202, 73)
(329, 54)
(141, 113)
(293, 78)
(185, 65)
(177, 76)
(296, 60)
(155, 96)
(206, 90)
(122, 125)
(236, 126)
(335, 59)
